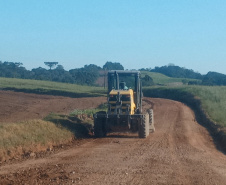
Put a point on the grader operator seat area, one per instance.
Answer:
(122, 85)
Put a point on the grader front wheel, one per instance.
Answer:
(100, 127)
(151, 120)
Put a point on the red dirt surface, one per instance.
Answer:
(16, 106)
(179, 152)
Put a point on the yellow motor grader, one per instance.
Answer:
(124, 111)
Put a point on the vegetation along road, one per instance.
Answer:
(179, 152)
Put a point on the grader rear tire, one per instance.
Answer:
(143, 131)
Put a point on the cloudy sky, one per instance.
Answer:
(136, 33)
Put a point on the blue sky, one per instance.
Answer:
(136, 33)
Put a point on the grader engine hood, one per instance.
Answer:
(121, 102)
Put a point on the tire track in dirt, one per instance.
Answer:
(180, 152)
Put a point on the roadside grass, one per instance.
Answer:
(213, 101)
(30, 136)
(51, 88)
(79, 127)
(27, 137)
(89, 112)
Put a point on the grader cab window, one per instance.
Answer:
(125, 81)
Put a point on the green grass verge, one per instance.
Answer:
(213, 101)
(79, 126)
(89, 112)
(35, 135)
(51, 88)
(38, 135)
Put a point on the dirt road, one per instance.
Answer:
(179, 152)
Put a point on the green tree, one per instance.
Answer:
(214, 78)
(40, 74)
(177, 72)
(86, 75)
(60, 67)
(51, 64)
(147, 81)
(112, 66)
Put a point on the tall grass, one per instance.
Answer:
(33, 135)
(213, 101)
(38, 135)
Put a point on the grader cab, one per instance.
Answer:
(124, 106)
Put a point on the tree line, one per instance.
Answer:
(177, 72)
(89, 74)
(210, 79)
(86, 75)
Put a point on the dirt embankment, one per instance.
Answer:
(180, 152)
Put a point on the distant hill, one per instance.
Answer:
(177, 72)
(161, 79)
(214, 78)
